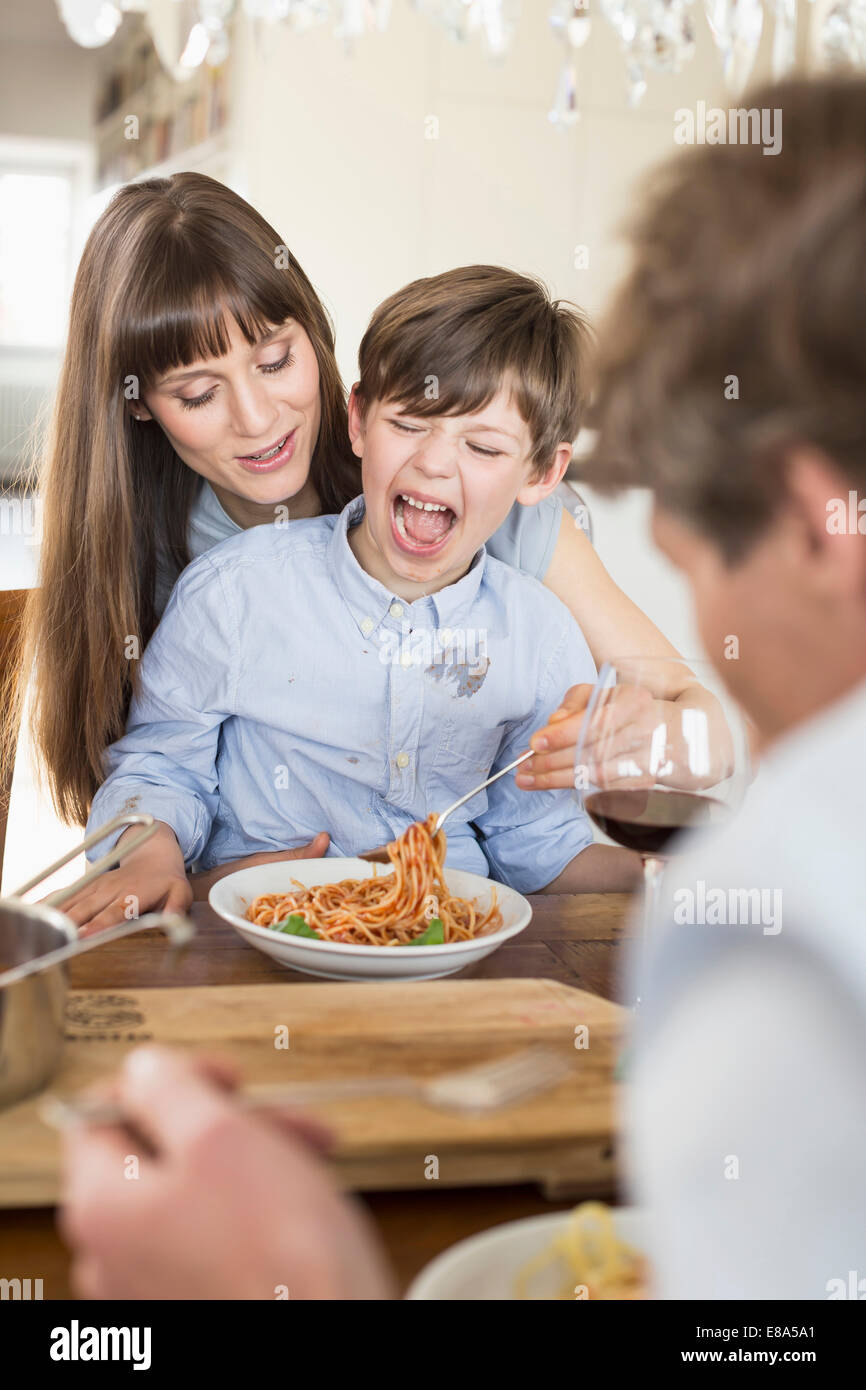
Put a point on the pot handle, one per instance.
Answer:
(179, 928)
(108, 861)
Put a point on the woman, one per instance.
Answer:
(196, 342)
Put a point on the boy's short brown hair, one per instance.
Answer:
(740, 330)
(445, 345)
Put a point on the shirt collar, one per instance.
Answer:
(370, 602)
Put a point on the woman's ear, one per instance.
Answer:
(138, 410)
(542, 487)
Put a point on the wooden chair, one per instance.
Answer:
(12, 603)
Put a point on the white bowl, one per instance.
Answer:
(486, 1266)
(231, 896)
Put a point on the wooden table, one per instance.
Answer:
(572, 938)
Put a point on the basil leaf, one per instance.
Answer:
(295, 925)
(434, 935)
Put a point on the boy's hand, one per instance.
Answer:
(203, 882)
(152, 879)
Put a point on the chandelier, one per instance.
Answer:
(655, 35)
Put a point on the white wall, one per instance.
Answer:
(332, 150)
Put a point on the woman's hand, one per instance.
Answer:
(221, 1203)
(620, 749)
(203, 882)
(555, 744)
(152, 879)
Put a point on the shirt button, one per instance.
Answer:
(402, 759)
(406, 659)
(445, 636)
(396, 610)
(367, 626)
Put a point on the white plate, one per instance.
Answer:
(486, 1266)
(232, 895)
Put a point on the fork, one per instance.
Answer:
(476, 1090)
(380, 855)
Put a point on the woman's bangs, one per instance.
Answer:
(190, 323)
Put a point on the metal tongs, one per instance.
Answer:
(177, 927)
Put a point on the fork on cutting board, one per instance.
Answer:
(380, 855)
(470, 1090)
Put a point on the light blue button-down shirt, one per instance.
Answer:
(286, 691)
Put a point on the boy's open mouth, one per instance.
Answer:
(420, 523)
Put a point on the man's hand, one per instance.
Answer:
(203, 882)
(223, 1203)
(152, 879)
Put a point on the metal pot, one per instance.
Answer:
(36, 941)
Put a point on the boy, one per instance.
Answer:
(361, 671)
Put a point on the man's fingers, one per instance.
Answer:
(169, 1099)
(299, 1124)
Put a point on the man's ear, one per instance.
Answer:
(356, 421)
(829, 525)
(531, 493)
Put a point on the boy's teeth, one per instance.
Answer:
(426, 523)
(424, 506)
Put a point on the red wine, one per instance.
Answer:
(645, 820)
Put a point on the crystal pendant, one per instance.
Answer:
(499, 19)
(657, 34)
(306, 14)
(91, 23)
(842, 38)
(784, 37)
(458, 17)
(736, 28)
(565, 112)
(177, 35)
(570, 21)
(358, 17)
(635, 84)
(269, 10)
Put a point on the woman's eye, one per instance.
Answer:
(278, 366)
(209, 395)
(197, 400)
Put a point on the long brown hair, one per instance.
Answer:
(163, 265)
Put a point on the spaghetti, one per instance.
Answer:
(391, 910)
(599, 1265)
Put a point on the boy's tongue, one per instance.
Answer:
(425, 528)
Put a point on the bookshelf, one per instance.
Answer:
(149, 124)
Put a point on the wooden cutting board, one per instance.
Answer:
(562, 1139)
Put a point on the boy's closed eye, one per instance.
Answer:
(416, 429)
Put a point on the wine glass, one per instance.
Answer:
(648, 764)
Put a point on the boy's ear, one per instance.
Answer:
(356, 421)
(531, 493)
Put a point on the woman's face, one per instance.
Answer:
(219, 413)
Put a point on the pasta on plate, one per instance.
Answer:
(412, 906)
(596, 1263)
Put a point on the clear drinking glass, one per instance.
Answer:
(648, 766)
